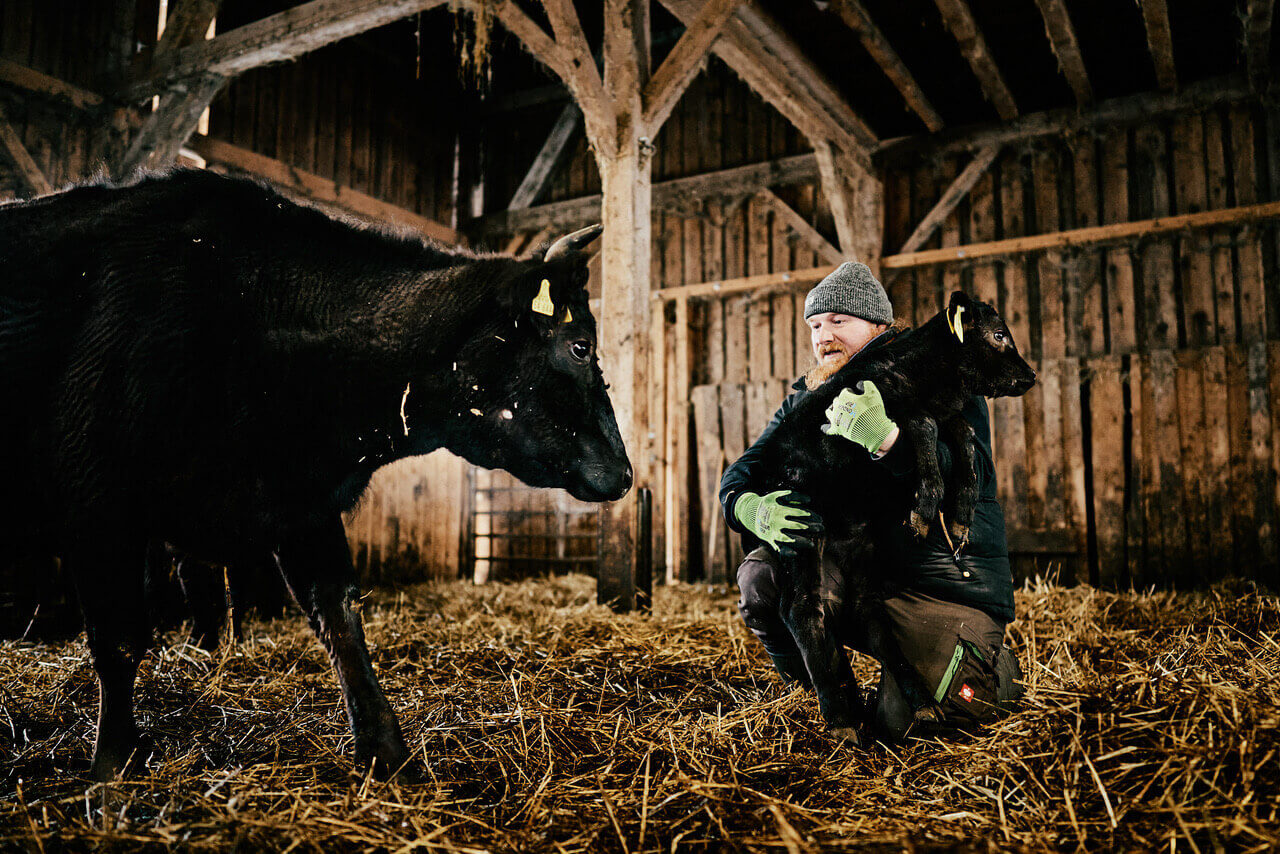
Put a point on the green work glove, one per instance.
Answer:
(859, 417)
(781, 519)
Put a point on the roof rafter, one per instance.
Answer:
(26, 165)
(855, 17)
(682, 63)
(959, 20)
(277, 38)
(1257, 40)
(1062, 37)
(1155, 15)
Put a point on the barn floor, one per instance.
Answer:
(552, 725)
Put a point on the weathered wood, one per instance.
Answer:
(710, 459)
(1155, 15)
(1261, 439)
(1136, 551)
(959, 20)
(951, 198)
(836, 194)
(278, 38)
(172, 123)
(1073, 461)
(32, 175)
(1062, 37)
(1085, 283)
(1122, 307)
(1053, 329)
(856, 18)
(1252, 292)
(1077, 237)
(734, 434)
(317, 188)
(720, 184)
(1009, 421)
(548, 157)
(187, 22)
(580, 73)
(807, 234)
(27, 79)
(1195, 264)
(1106, 431)
(1151, 191)
(756, 47)
(1244, 529)
(1197, 489)
(1215, 446)
(1166, 468)
(683, 448)
(678, 69)
(1257, 40)
(1106, 115)
(1270, 575)
(1220, 196)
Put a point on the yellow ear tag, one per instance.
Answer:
(542, 303)
(956, 328)
(568, 315)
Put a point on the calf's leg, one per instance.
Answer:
(903, 675)
(316, 565)
(800, 587)
(963, 482)
(923, 432)
(111, 587)
(206, 595)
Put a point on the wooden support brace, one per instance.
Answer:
(579, 72)
(557, 142)
(170, 125)
(959, 188)
(1257, 41)
(681, 65)
(26, 166)
(808, 235)
(28, 79)
(837, 195)
(964, 28)
(1062, 36)
(1155, 15)
(855, 17)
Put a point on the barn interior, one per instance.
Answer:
(1106, 174)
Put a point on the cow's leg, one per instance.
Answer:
(316, 565)
(206, 594)
(923, 432)
(800, 586)
(962, 493)
(112, 591)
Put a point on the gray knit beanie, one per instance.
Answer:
(850, 289)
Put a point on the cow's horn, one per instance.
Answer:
(572, 242)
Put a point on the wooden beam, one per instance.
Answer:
(1131, 109)
(786, 281)
(959, 188)
(277, 38)
(170, 125)
(682, 63)
(579, 72)
(736, 182)
(625, 164)
(956, 15)
(317, 188)
(557, 142)
(757, 49)
(1062, 37)
(808, 235)
(187, 24)
(28, 79)
(1155, 15)
(856, 18)
(836, 192)
(1257, 41)
(31, 174)
(1092, 236)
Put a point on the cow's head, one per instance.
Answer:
(990, 364)
(534, 399)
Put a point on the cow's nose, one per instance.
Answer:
(627, 478)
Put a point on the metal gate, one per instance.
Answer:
(515, 531)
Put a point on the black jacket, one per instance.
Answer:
(980, 578)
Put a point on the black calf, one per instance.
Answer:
(925, 376)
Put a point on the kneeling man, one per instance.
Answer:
(950, 614)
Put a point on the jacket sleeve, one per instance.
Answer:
(740, 476)
(900, 461)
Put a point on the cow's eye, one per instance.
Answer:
(580, 350)
(999, 336)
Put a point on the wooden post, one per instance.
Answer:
(624, 160)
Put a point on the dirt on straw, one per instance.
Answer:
(545, 723)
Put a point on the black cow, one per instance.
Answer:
(925, 376)
(196, 360)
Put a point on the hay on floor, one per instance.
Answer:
(548, 723)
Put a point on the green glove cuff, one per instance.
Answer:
(745, 510)
(870, 429)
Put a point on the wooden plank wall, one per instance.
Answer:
(1150, 441)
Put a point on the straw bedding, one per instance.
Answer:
(551, 725)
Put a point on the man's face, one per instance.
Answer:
(836, 337)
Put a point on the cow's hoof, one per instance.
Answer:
(959, 534)
(113, 762)
(847, 734)
(919, 525)
(389, 758)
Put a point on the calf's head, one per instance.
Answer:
(534, 398)
(989, 362)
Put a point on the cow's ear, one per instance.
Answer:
(960, 298)
(542, 299)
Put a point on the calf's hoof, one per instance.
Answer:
(919, 525)
(959, 534)
(126, 758)
(848, 735)
(930, 714)
(388, 757)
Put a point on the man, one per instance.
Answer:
(951, 611)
